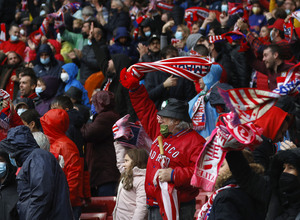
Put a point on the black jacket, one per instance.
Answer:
(123, 104)
(185, 89)
(265, 189)
(235, 204)
(88, 63)
(42, 185)
(8, 192)
(73, 132)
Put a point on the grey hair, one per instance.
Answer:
(184, 125)
(41, 140)
(88, 11)
(119, 3)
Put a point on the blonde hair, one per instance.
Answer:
(186, 31)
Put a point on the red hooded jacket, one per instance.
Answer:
(55, 123)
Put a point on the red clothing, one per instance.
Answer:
(272, 76)
(18, 47)
(32, 96)
(14, 121)
(259, 46)
(10, 85)
(181, 150)
(55, 123)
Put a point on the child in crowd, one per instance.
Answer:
(131, 198)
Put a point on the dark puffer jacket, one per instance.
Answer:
(42, 186)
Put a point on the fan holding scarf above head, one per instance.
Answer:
(181, 144)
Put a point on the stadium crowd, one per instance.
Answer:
(151, 101)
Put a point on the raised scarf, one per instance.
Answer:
(192, 68)
(236, 130)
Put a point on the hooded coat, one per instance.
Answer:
(8, 191)
(100, 151)
(128, 48)
(51, 69)
(55, 124)
(122, 101)
(72, 70)
(276, 202)
(42, 186)
(46, 97)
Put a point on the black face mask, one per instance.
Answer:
(85, 35)
(114, 10)
(76, 30)
(289, 188)
(288, 182)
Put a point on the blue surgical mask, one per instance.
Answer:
(45, 61)
(224, 8)
(2, 169)
(288, 11)
(93, 109)
(89, 42)
(178, 35)
(271, 33)
(14, 38)
(13, 161)
(38, 90)
(147, 33)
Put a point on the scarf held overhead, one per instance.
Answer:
(236, 130)
(192, 68)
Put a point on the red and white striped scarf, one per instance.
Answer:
(166, 194)
(5, 112)
(224, 137)
(3, 32)
(194, 14)
(192, 68)
(234, 8)
(198, 114)
(230, 37)
(165, 6)
(236, 129)
(107, 84)
(205, 209)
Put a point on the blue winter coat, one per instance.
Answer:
(42, 185)
(51, 69)
(128, 48)
(72, 70)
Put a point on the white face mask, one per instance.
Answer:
(21, 110)
(64, 77)
(38, 90)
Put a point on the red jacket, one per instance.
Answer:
(18, 47)
(181, 150)
(55, 123)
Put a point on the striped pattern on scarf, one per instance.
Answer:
(192, 68)
(236, 129)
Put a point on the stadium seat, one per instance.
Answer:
(93, 216)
